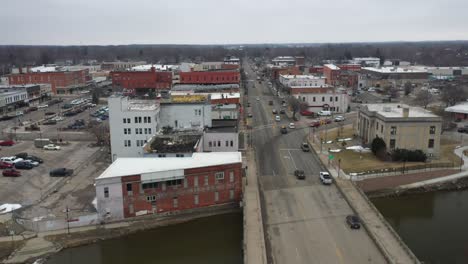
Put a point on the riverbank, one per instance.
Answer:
(22, 253)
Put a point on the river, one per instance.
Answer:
(434, 225)
(214, 239)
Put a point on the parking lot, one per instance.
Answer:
(36, 183)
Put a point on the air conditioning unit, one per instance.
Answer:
(387, 109)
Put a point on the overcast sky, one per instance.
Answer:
(102, 22)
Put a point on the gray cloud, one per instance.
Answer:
(221, 21)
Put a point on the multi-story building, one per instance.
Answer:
(11, 98)
(132, 187)
(302, 81)
(120, 65)
(174, 143)
(210, 77)
(322, 98)
(383, 76)
(186, 112)
(202, 88)
(400, 126)
(61, 81)
(289, 61)
(222, 136)
(274, 71)
(231, 60)
(331, 73)
(367, 61)
(132, 123)
(141, 81)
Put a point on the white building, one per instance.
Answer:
(368, 61)
(302, 81)
(318, 99)
(223, 136)
(132, 123)
(186, 112)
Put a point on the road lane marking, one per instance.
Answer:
(294, 163)
(338, 253)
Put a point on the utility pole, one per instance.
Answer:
(68, 221)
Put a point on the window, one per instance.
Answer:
(219, 143)
(139, 131)
(137, 119)
(331, 98)
(130, 209)
(323, 98)
(146, 131)
(125, 120)
(161, 155)
(432, 130)
(313, 99)
(128, 120)
(185, 183)
(174, 182)
(175, 202)
(431, 143)
(227, 143)
(231, 176)
(216, 196)
(195, 199)
(206, 180)
(231, 194)
(336, 98)
(210, 144)
(151, 198)
(393, 130)
(219, 175)
(303, 99)
(106, 192)
(195, 181)
(232, 143)
(127, 143)
(149, 119)
(150, 185)
(129, 187)
(180, 155)
(392, 143)
(149, 130)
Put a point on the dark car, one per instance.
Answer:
(8, 143)
(299, 174)
(23, 165)
(67, 106)
(22, 155)
(305, 147)
(5, 165)
(282, 111)
(32, 108)
(49, 113)
(11, 173)
(50, 122)
(462, 130)
(34, 158)
(6, 117)
(284, 130)
(353, 221)
(60, 172)
(249, 115)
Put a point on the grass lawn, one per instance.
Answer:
(332, 134)
(352, 161)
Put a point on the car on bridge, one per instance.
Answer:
(353, 221)
(299, 174)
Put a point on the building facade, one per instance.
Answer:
(138, 82)
(318, 99)
(209, 77)
(132, 187)
(331, 73)
(186, 112)
(302, 81)
(400, 126)
(132, 123)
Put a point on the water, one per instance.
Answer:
(215, 239)
(434, 225)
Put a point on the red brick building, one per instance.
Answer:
(139, 186)
(276, 71)
(350, 67)
(331, 73)
(209, 77)
(142, 80)
(316, 69)
(61, 82)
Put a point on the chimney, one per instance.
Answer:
(405, 112)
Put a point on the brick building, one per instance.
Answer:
(209, 77)
(132, 187)
(61, 81)
(331, 73)
(137, 82)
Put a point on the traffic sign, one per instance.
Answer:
(330, 156)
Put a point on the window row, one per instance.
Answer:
(228, 143)
(314, 99)
(430, 143)
(138, 120)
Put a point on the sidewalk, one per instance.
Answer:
(254, 239)
(389, 242)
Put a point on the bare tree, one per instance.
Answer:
(295, 105)
(408, 88)
(101, 132)
(453, 95)
(423, 98)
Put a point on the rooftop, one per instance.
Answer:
(158, 67)
(223, 125)
(331, 66)
(309, 77)
(366, 59)
(140, 166)
(200, 87)
(396, 110)
(215, 96)
(459, 108)
(142, 105)
(186, 99)
(174, 142)
(395, 69)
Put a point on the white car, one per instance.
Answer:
(19, 113)
(277, 118)
(11, 160)
(292, 125)
(258, 98)
(32, 162)
(51, 147)
(325, 178)
(58, 118)
(339, 118)
(42, 106)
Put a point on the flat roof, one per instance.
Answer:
(332, 66)
(157, 67)
(395, 69)
(309, 77)
(367, 58)
(459, 108)
(43, 69)
(202, 87)
(185, 99)
(215, 96)
(396, 110)
(148, 165)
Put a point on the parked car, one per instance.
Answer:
(325, 178)
(7, 143)
(34, 158)
(50, 122)
(32, 109)
(59, 172)
(249, 115)
(49, 113)
(307, 113)
(11, 160)
(305, 147)
(58, 118)
(282, 111)
(324, 113)
(34, 163)
(6, 117)
(292, 125)
(274, 111)
(284, 130)
(22, 155)
(462, 130)
(314, 123)
(353, 221)
(19, 113)
(42, 106)
(23, 165)
(67, 106)
(258, 99)
(327, 121)
(51, 147)
(299, 174)
(339, 118)
(11, 173)
(4, 165)
(277, 118)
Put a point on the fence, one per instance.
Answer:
(42, 225)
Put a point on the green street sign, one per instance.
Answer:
(330, 157)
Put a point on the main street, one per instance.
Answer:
(304, 220)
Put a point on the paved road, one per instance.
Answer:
(304, 220)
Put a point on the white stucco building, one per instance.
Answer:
(302, 81)
(318, 99)
(186, 112)
(131, 123)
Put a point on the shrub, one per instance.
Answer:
(409, 155)
(378, 145)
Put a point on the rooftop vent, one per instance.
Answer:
(387, 109)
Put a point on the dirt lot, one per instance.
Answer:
(36, 183)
